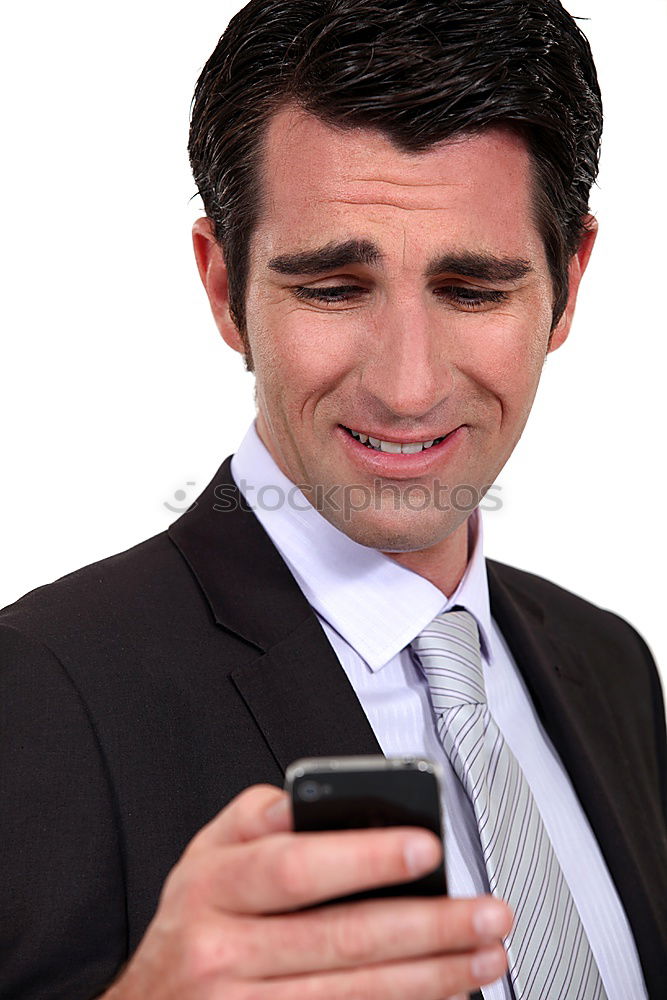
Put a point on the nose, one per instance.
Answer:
(408, 370)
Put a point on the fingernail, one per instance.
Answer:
(490, 920)
(278, 811)
(421, 854)
(488, 965)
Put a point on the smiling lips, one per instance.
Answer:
(394, 447)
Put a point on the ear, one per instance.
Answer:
(577, 266)
(213, 273)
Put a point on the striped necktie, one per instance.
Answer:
(549, 956)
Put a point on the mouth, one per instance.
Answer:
(394, 447)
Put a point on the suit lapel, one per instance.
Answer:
(296, 689)
(567, 692)
(249, 588)
(302, 700)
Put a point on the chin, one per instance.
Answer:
(397, 531)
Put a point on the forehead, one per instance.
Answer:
(319, 179)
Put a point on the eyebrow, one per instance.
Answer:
(485, 266)
(328, 258)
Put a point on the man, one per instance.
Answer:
(396, 228)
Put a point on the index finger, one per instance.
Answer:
(288, 871)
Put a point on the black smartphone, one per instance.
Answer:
(343, 793)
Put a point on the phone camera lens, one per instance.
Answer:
(309, 791)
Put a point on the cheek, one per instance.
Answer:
(300, 355)
(501, 391)
(508, 354)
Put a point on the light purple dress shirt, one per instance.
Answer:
(371, 608)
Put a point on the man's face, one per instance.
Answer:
(430, 319)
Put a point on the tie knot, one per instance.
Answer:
(449, 652)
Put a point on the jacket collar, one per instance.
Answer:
(222, 541)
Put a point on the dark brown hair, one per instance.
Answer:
(420, 71)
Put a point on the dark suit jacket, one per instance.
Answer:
(141, 693)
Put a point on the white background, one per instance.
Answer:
(117, 390)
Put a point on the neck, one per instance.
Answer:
(442, 564)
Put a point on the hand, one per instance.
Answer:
(229, 924)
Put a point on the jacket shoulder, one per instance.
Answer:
(565, 613)
(118, 594)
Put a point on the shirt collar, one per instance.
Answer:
(374, 603)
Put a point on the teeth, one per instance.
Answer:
(393, 447)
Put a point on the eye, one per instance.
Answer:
(468, 299)
(471, 299)
(329, 293)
